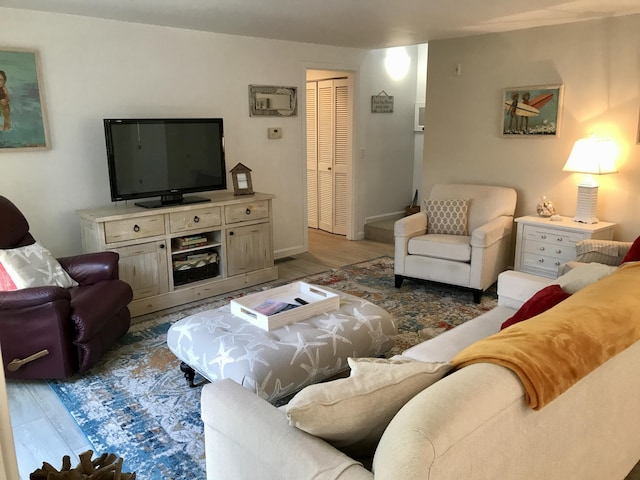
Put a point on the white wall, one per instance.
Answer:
(598, 63)
(387, 152)
(94, 69)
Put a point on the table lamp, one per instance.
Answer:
(593, 157)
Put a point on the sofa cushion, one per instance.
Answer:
(609, 252)
(447, 216)
(542, 301)
(633, 255)
(583, 275)
(31, 266)
(352, 413)
(448, 247)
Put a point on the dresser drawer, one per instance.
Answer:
(246, 211)
(556, 237)
(541, 263)
(194, 219)
(561, 251)
(133, 228)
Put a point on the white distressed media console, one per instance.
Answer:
(178, 254)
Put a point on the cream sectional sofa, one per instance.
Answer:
(471, 424)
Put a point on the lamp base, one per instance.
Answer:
(587, 203)
(585, 220)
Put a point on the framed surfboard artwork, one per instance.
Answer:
(531, 111)
(23, 120)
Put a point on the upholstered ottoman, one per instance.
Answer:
(274, 364)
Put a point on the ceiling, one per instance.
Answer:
(365, 24)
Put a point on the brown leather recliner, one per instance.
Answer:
(53, 332)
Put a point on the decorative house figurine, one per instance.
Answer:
(241, 175)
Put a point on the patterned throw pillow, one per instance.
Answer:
(31, 266)
(447, 216)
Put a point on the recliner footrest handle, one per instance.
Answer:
(17, 363)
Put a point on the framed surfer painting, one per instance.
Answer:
(23, 121)
(531, 111)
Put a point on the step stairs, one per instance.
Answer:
(381, 231)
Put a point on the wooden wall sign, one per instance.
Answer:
(382, 103)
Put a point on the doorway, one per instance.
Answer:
(329, 128)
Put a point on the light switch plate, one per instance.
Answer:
(275, 133)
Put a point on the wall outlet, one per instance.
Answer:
(274, 133)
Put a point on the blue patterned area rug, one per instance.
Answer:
(135, 402)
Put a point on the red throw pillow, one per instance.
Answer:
(633, 255)
(542, 301)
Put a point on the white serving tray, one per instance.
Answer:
(319, 301)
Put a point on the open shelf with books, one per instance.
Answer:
(195, 257)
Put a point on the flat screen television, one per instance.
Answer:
(166, 158)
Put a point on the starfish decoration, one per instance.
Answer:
(303, 346)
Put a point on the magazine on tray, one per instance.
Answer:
(271, 307)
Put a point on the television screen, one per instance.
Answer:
(166, 158)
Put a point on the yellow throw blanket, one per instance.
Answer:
(552, 351)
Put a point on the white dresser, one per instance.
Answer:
(542, 245)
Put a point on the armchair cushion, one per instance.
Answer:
(447, 216)
(448, 247)
(31, 266)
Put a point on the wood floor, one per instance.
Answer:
(44, 431)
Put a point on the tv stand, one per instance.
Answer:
(182, 253)
(168, 200)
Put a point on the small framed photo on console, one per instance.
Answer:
(242, 180)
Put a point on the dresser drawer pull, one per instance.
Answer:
(543, 237)
(557, 264)
(558, 251)
(541, 260)
(196, 219)
(136, 228)
(559, 239)
(248, 211)
(542, 249)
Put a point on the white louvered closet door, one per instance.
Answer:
(342, 155)
(334, 154)
(312, 154)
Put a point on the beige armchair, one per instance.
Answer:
(461, 237)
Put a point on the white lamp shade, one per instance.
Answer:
(592, 156)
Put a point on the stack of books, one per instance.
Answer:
(191, 241)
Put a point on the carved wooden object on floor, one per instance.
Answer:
(105, 467)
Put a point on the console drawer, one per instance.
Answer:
(246, 211)
(194, 219)
(133, 228)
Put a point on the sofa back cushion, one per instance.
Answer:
(485, 202)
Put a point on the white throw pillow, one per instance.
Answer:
(583, 275)
(352, 413)
(31, 266)
(447, 216)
